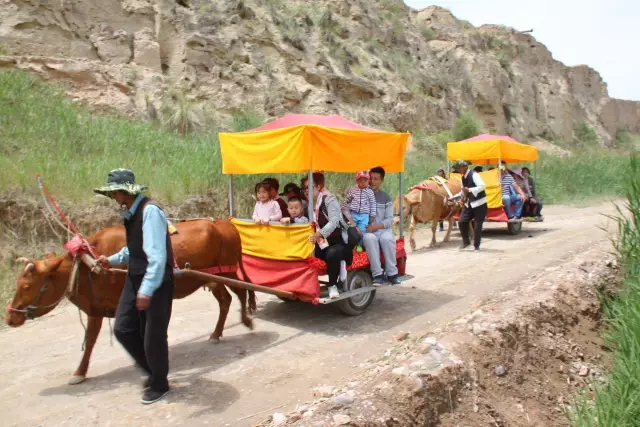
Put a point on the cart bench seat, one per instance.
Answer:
(361, 260)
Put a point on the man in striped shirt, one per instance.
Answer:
(360, 204)
(512, 194)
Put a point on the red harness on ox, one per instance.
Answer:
(79, 245)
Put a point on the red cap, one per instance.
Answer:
(362, 174)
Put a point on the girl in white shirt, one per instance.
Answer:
(266, 209)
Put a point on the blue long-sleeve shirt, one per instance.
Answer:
(154, 235)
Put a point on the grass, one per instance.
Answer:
(617, 404)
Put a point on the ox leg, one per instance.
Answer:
(91, 336)
(412, 229)
(224, 301)
(244, 317)
(446, 237)
(434, 228)
(253, 307)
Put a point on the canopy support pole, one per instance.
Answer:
(310, 207)
(230, 195)
(401, 198)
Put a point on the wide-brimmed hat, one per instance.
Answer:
(121, 180)
(460, 163)
(517, 171)
(290, 188)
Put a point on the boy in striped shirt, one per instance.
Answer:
(360, 204)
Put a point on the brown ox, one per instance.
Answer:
(201, 243)
(428, 204)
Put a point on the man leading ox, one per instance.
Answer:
(144, 309)
(475, 206)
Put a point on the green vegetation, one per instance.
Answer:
(627, 140)
(587, 174)
(617, 404)
(585, 134)
(465, 127)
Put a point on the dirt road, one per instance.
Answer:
(294, 347)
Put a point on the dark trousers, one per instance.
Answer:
(336, 251)
(144, 333)
(478, 215)
(532, 209)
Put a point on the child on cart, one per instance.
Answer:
(297, 212)
(360, 204)
(266, 209)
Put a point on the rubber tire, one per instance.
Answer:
(347, 306)
(514, 227)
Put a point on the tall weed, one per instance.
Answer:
(618, 403)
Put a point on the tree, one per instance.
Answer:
(466, 126)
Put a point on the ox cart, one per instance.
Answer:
(281, 256)
(492, 150)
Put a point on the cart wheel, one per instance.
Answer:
(357, 304)
(514, 228)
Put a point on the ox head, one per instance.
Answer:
(407, 204)
(36, 287)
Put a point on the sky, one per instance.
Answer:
(601, 34)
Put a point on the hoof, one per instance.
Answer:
(76, 379)
(215, 339)
(248, 322)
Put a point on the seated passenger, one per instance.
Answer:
(296, 212)
(478, 169)
(442, 175)
(379, 235)
(273, 193)
(331, 237)
(533, 205)
(511, 193)
(360, 204)
(292, 190)
(304, 186)
(266, 209)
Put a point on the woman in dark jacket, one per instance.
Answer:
(331, 238)
(533, 205)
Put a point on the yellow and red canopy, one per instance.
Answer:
(299, 143)
(489, 149)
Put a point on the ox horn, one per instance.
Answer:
(30, 267)
(22, 260)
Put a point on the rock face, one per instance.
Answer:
(379, 63)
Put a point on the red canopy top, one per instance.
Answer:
(487, 137)
(291, 120)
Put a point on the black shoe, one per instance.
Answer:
(378, 281)
(476, 248)
(394, 280)
(151, 396)
(465, 245)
